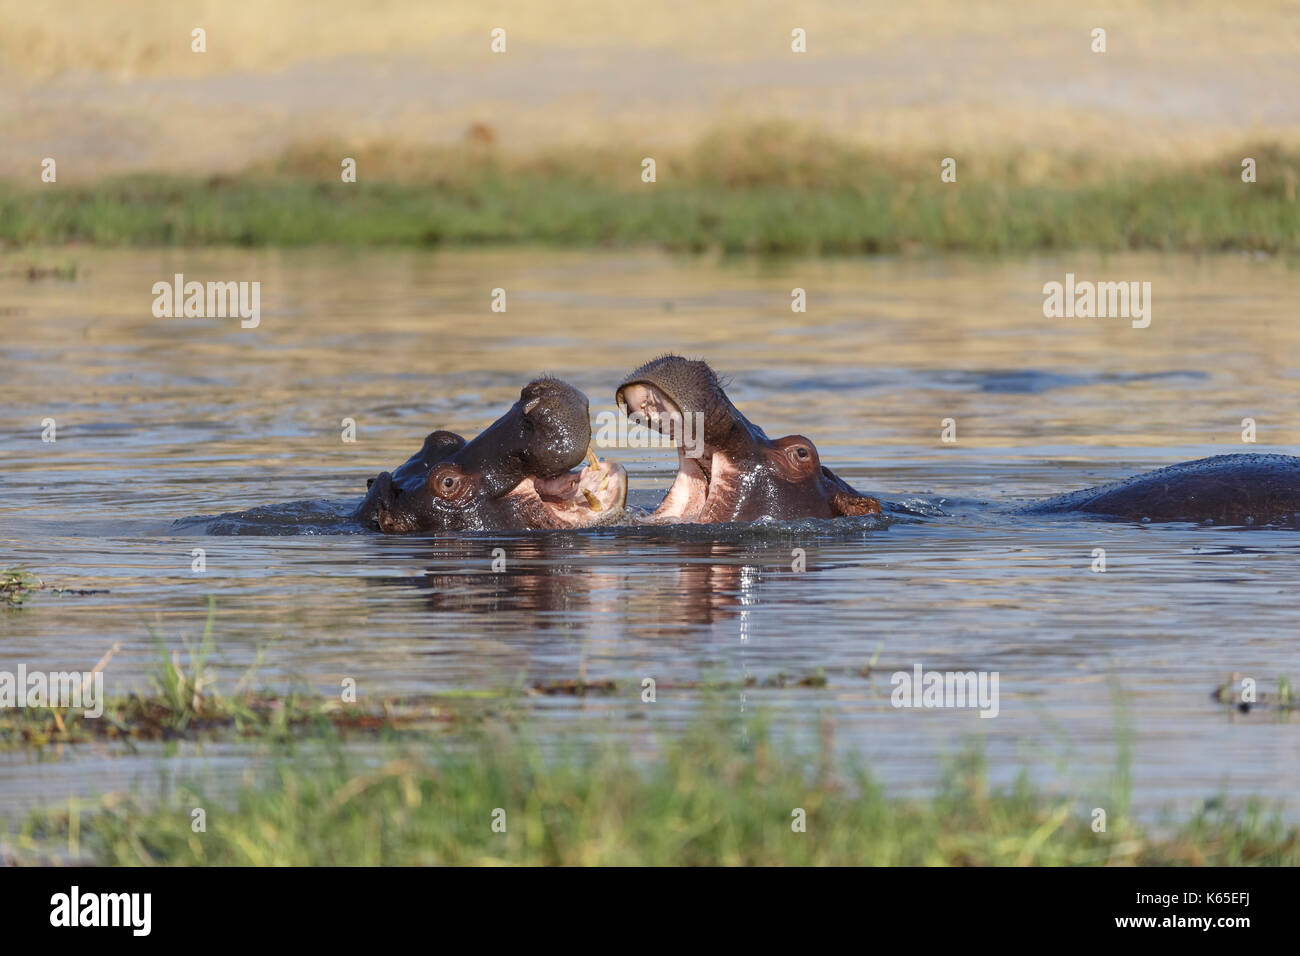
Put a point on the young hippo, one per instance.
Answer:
(727, 469)
(515, 476)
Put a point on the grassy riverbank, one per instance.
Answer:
(710, 798)
(765, 189)
(462, 778)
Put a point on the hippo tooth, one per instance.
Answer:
(592, 500)
(591, 457)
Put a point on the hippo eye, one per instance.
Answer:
(800, 456)
(446, 483)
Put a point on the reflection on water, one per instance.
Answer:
(163, 419)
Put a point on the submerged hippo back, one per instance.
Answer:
(1234, 489)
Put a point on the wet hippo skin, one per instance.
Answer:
(728, 470)
(1229, 489)
(516, 475)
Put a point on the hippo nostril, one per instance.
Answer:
(369, 483)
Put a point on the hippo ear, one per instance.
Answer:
(851, 505)
(441, 444)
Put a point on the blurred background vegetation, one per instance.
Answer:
(758, 148)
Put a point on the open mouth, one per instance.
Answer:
(698, 473)
(705, 478)
(595, 494)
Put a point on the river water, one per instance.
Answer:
(161, 419)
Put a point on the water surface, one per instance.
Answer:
(160, 419)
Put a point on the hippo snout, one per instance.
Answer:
(379, 497)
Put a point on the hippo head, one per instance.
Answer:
(728, 470)
(516, 475)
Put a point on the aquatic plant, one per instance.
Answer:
(16, 585)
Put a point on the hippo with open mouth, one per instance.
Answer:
(731, 471)
(728, 470)
(515, 476)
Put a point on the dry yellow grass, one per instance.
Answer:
(152, 36)
(116, 86)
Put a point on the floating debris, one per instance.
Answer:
(1233, 694)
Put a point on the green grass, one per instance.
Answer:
(710, 798)
(246, 713)
(16, 586)
(435, 775)
(764, 190)
(184, 702)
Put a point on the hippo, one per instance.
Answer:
(729, 470)
(515, 476)
(1239, 489)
